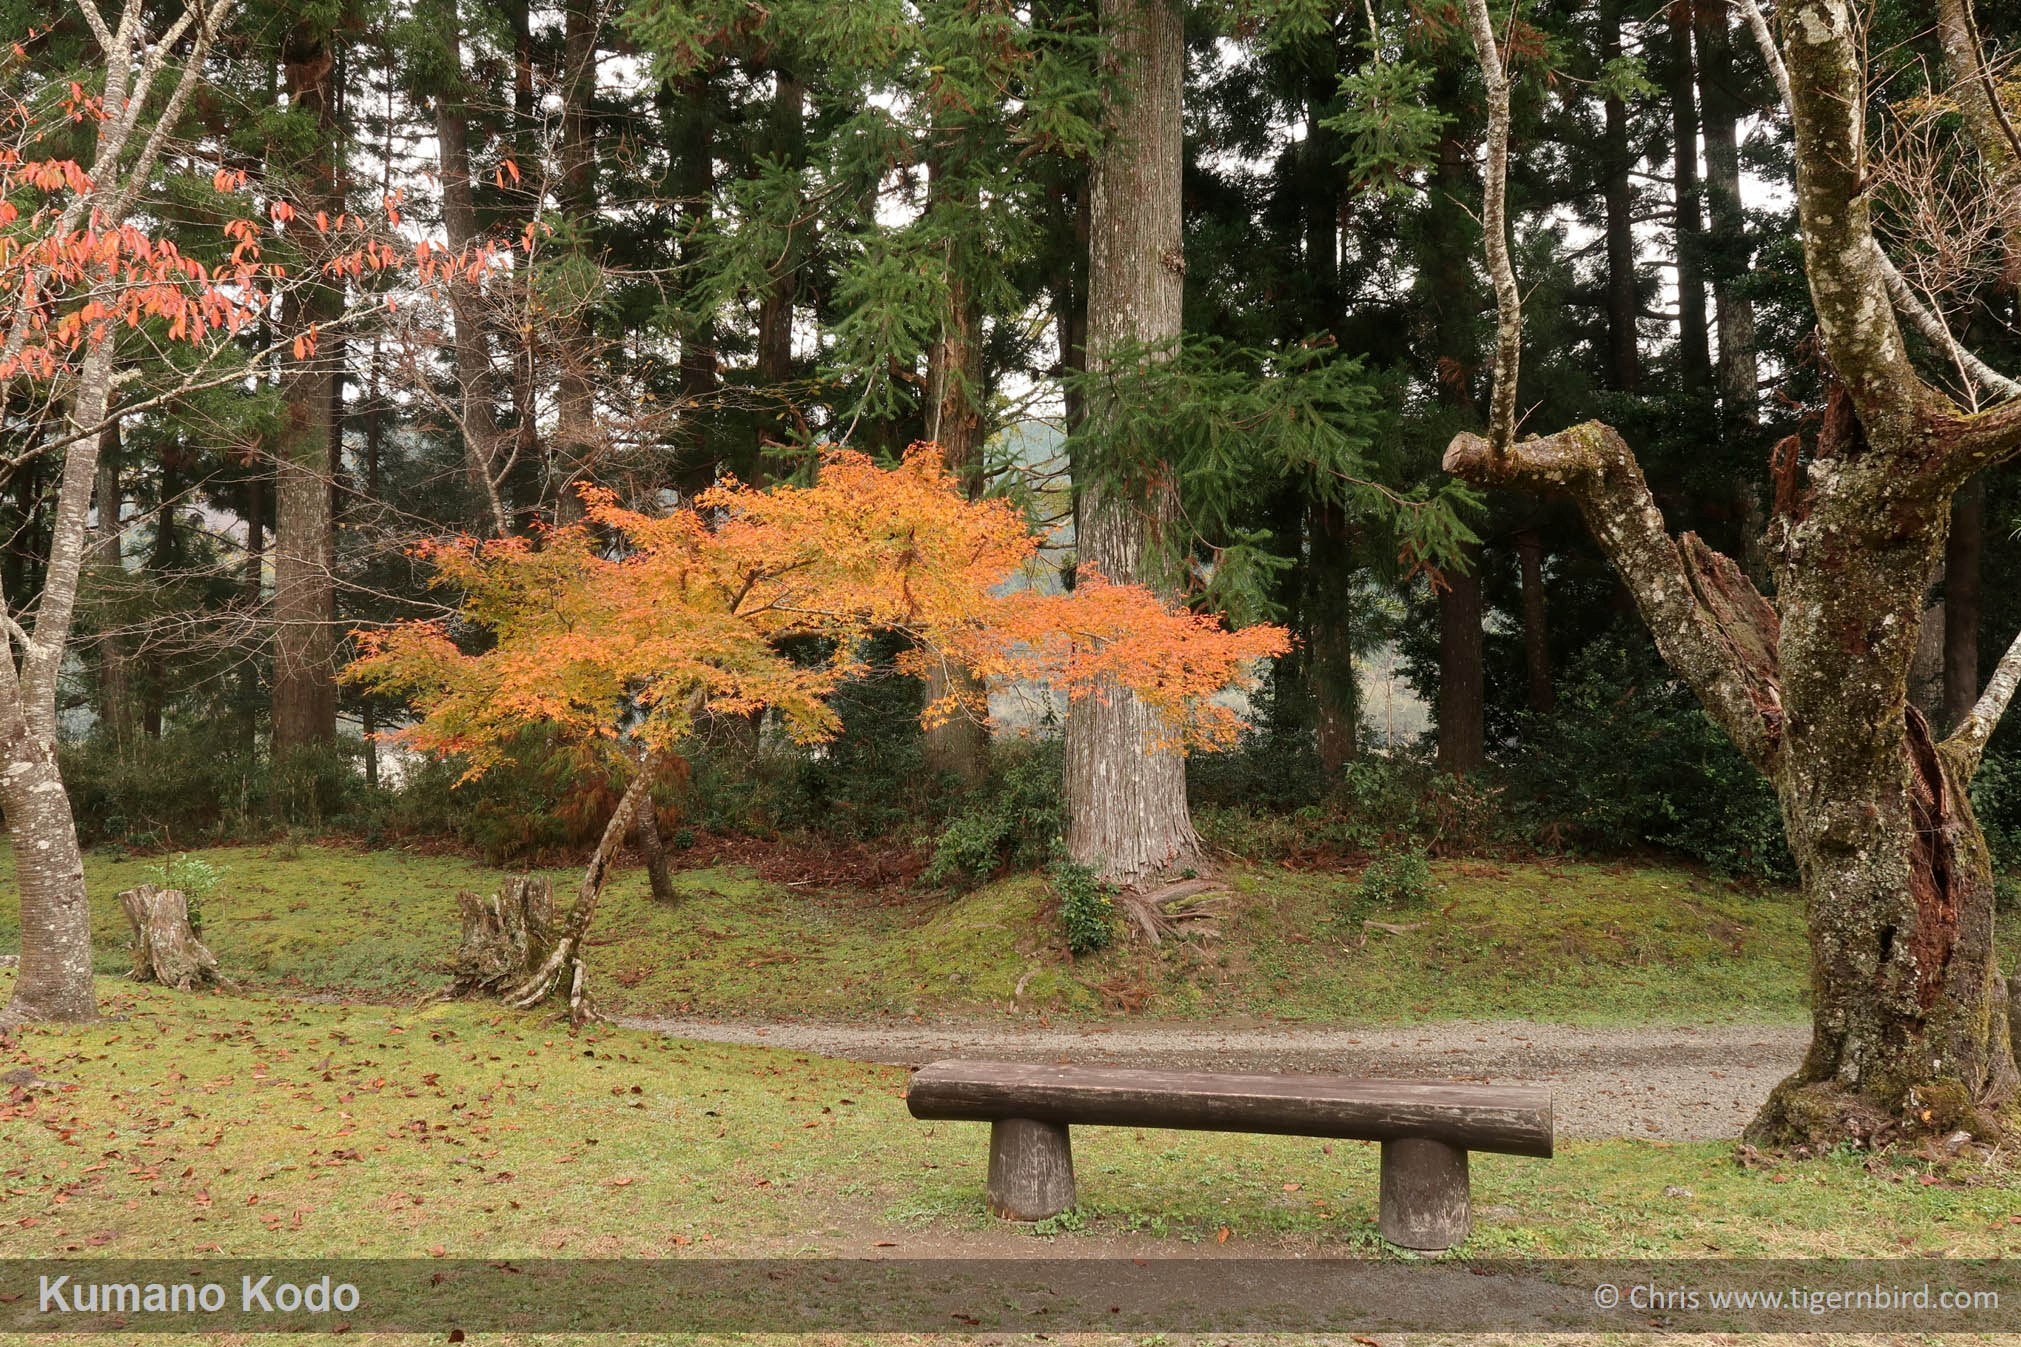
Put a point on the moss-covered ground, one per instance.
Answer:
(1565, 941)
(247, 1125)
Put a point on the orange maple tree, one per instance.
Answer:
(628, 628)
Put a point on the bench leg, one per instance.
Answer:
(1425, 1198)
(1031, 1169)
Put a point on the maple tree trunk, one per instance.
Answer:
(653, 852)
(165, 947)
(1126, 791)
(516, 947)
(305, 676)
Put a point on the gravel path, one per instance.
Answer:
(1679, 1083)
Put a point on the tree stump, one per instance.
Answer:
(165, 947)
(505, 939)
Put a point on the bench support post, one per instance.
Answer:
(1425, 1196)
(1031, 1169)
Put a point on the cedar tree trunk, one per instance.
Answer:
(1126, 791)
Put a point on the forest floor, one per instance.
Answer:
(329, 1108)
(248, 1125)
(759, 933)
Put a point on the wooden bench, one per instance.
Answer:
(1426, 1128)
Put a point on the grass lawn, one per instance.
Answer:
(245, 1126)
(1560, 941)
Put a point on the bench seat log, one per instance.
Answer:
(1426, 1128)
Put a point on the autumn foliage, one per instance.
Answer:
(637, 626)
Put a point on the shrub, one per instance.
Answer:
(1274, 766)
(194, 785)
(1087, 907)
(1628, 759)
(1377, 802)
(1397, 877)
(1996, 802)
(196, 877)
(1013, 822)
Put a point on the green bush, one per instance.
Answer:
(1087, 907)
(1629, 760)
(1377, 802)
(1013, 822)
(196, 877)
(1274, 766)
(1397, 877)
(191, 786)
(1996, 802)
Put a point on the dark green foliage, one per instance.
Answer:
(186, 788)
(1379, 803)
(1275, 765)
(1397, 877)
(1087, 907)
(1013, 822)
(1237, 428)
(1996, 801)
(1629, 760)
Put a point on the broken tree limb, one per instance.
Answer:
(1711, 624)
(165, 946)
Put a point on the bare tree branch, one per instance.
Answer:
(1495, 229)
(1967, 744)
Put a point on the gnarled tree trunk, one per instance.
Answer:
(1910, 1016)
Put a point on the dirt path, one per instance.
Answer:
(1682, 1083)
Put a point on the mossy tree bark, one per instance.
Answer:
(1910, 1026)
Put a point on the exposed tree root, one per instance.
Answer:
(516, 948)
(1173, 909)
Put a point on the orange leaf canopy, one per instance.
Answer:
(630, 625)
